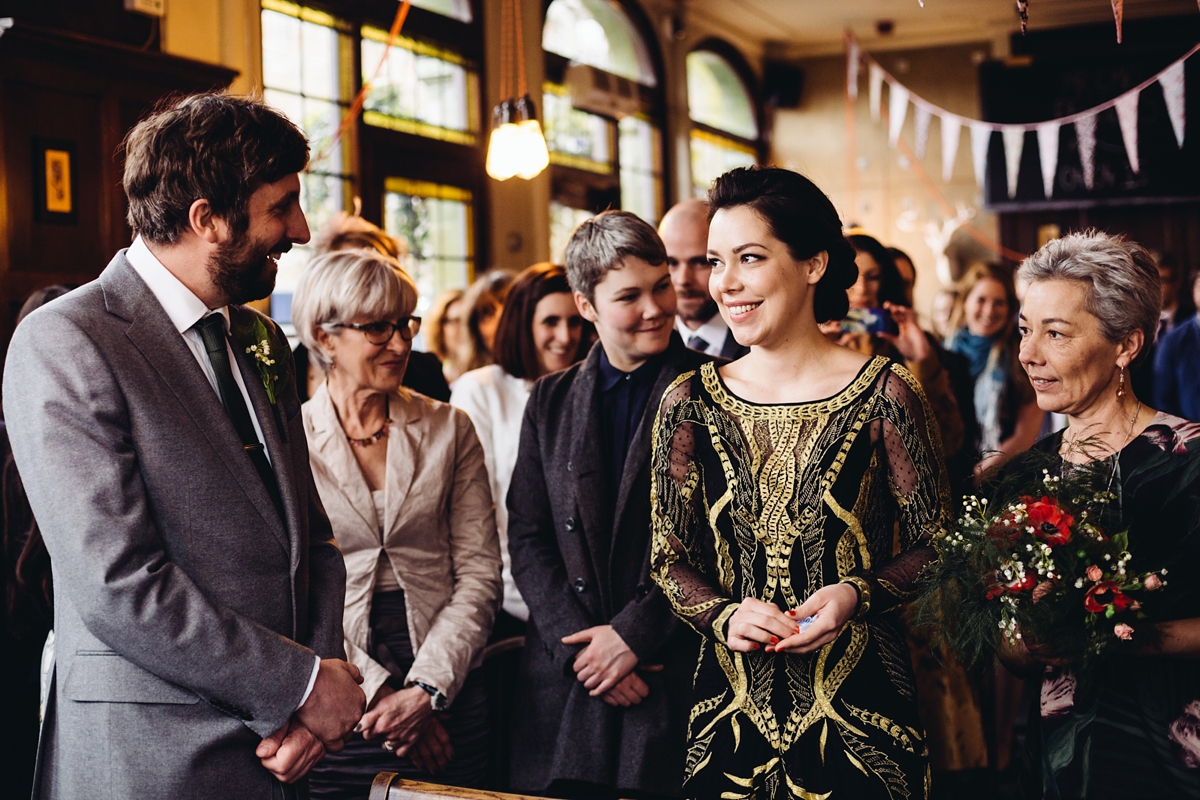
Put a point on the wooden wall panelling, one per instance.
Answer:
(89, 92)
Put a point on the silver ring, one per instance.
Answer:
(389, 745)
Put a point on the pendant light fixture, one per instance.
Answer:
(516, 146)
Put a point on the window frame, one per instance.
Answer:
(596, 192)
(379, 153)
(741, 68)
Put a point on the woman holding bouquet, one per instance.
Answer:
(1132, 729)
(777, 483)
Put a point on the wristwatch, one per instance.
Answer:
(436, 698)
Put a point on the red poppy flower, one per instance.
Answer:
(1105, 594)
(1051, 523)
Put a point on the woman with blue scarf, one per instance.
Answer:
(985, 332)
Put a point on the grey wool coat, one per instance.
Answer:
(187, 614)
(580, 556)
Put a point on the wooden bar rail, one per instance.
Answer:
(390, 786)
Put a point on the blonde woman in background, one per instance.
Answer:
(984, 329)
(444, 332)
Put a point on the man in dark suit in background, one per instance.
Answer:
(198, 591)
(606, 669)
(684, 232)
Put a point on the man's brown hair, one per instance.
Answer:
(212, 146)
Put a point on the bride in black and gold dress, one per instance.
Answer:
(778, 483)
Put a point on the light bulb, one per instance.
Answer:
(502, 154)
(535, 157)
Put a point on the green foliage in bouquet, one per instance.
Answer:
(1039, 558)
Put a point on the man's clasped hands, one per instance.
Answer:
(334, 709)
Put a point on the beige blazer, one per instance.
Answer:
(439, 534)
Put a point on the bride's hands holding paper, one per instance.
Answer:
(832, 606)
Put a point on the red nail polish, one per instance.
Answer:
(770, 649)
(754, 646)
(774, 640)
(797, 629)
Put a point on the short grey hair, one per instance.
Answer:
(601, 243)
(346, 285)
(1124, 288)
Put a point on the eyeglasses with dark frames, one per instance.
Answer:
(381, 332)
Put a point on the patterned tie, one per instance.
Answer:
(698, 343)
(212, 331)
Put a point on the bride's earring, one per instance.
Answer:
(1121, 386)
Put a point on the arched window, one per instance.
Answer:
(725, 130)
(603, 113)
(415, 159)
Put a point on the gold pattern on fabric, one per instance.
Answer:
(864, 595)
(774, 502)
(851, 525)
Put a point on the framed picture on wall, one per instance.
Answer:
(54, 196)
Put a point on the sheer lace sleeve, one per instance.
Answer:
(678, 519)
(917, 480)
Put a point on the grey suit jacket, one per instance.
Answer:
(187, 614)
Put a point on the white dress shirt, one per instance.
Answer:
(714, 332)
(495, 402)
(186, 309)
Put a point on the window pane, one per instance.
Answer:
(575, 138)
(641, 168)
(435, 221)
(419, 83)
(713, 156)
(563, 222)
(598, 33)
(455, 9)
(717, 97)
(319, 48)
(281, 51)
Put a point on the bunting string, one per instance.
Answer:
(1013, 136)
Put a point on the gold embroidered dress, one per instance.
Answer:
(774, 502)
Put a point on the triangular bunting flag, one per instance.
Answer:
(1047, 136)
(951, 128)
(1118, 13)
(876, 89)
(852, 67)
(1014, 145)
(981, 137)
(1085, 133)
(897, 108)
(1172, 86)
(1127, 115)
(922, 123)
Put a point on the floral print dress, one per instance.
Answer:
(1133, 731)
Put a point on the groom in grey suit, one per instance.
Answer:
(198, 589)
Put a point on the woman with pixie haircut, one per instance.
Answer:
(540, 332)
(778, 483)
(403, 480)
(601, 706)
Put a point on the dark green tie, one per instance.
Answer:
(212, 331)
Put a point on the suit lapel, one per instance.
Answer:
(403, 455)
(586, 466)
(328, 440)
(151, 331)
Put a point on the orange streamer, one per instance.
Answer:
(357, 104)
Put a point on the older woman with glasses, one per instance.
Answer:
(403, 480)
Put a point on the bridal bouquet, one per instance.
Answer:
(1044, 561)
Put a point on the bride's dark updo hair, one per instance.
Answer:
(802, 217)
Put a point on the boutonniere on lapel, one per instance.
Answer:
(261, 348)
